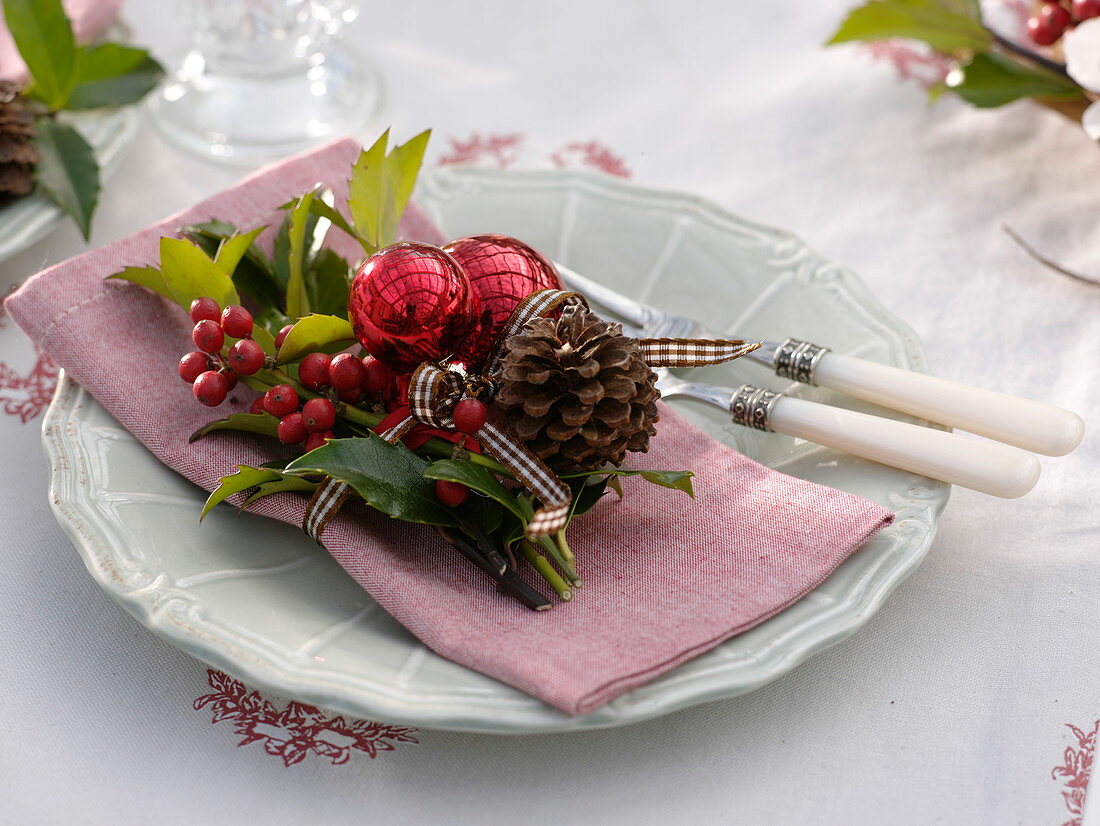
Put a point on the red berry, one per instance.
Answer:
(230, 377)
(281, 400)
(469, 416)
(1048, 25)
(313, 371)
(237, 321)
(319, 415)
(193, 365)
(208, 336)
(451, 494)
(377, 376)
(205, 309)
(210, 388)
(257, 405)
(1086, 9)
(292, 429)
(351, 396)
(246, 357)
(281, 337)
(315, 440)
(346, 372)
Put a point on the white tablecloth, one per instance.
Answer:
(955, 704)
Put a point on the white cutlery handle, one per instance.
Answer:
(1031, 425)
(980, 465)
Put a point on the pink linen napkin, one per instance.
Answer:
(89, 18)
(666, 577)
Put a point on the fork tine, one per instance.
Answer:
(633, 311)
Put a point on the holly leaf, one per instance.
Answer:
(324, 333)
(149, 277)
(388, 477)
(674, 479)
(328, 284)
(44, 37)
(380, 188)
(111, 74)
(245, 478)
(68, 171)
(190, 273)
(402, 169)
(299, 232)
(252, 274)
(283, 485)
(585, 495)
(479, 479)
(322, 210)
(989, 79)
(263, 423)
(945, 25)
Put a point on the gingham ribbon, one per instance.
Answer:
(327, 499)
(693, 352)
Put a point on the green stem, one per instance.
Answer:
(444, 449)
(546, 570)
(565, 551)
(1027, 54)
(566, 567)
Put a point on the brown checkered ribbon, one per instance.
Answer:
(434, 392)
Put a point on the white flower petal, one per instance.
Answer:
(1082, 48)
(1091, 121)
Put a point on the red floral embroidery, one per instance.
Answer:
(911, 61)
(593, 154)
(294, 732)
(1075, 770)
(494, 150)
(26, 396)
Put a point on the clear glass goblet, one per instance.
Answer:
(265, 79)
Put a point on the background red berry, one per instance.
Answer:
(210, 388)
(346, 372)
(377, 375)
(292, 429)
(205, 308)
(319, 415)
(351, 396)
(281, 337)
(1046, 27)
(208, 336)
(313, 371)
(469, 416)
(193, 365)
(246, 357)
(257, 405)
(230, 378)
(451, 494)
(237, 321)
(316, 440)
(1086, 9)
(281, 400)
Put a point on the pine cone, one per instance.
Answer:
(18, 154)
(577, 391)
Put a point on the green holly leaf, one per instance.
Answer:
(476, 478)
(388, 477)
(316, 333)
(674, 479)
(149, 277)
(380, 188)
(945, 25)
(111, 74)
(328, 284)
(190, 273)
(283, 485)
(252, 273)
(233, 249)
(402, 169)
(989, 79)
(44, 37)
(262, 423)
(299, 235)
(322, 210)
(585, 495)
(68, 171)
(245, 478)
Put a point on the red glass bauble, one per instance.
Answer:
(411, 303)
(502, 272)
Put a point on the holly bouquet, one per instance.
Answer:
(1058, 66)
(459, 387)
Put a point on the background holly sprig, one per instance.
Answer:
(272, 323)
(987, 69)
(68, 77)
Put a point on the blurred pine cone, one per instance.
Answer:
(577, 391)
(18, 153)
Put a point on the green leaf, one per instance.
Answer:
(327, 333)
(388, 477)
(297, 296)
(323, 210)
(674, 479)
(113, 75)
(44, 37)
(402, 168)
(476, 478)
(190, 274)
(585, 495)
(368, 195)
(945, 25)
(263, 423)
(246, 477)
(149, 277)
(233, 249)
(283, 485)
(990, 79)
(68, 171)
(280, 255)
(252, 275)
(328, 284)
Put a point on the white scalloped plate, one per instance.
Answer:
(266, 604)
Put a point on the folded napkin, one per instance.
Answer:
(89, 18)
(665, 577)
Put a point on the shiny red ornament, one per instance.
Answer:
(411, 303)
(502, 272)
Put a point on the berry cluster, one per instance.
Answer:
(1057, 16)
(211, 371)
(469, 415)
